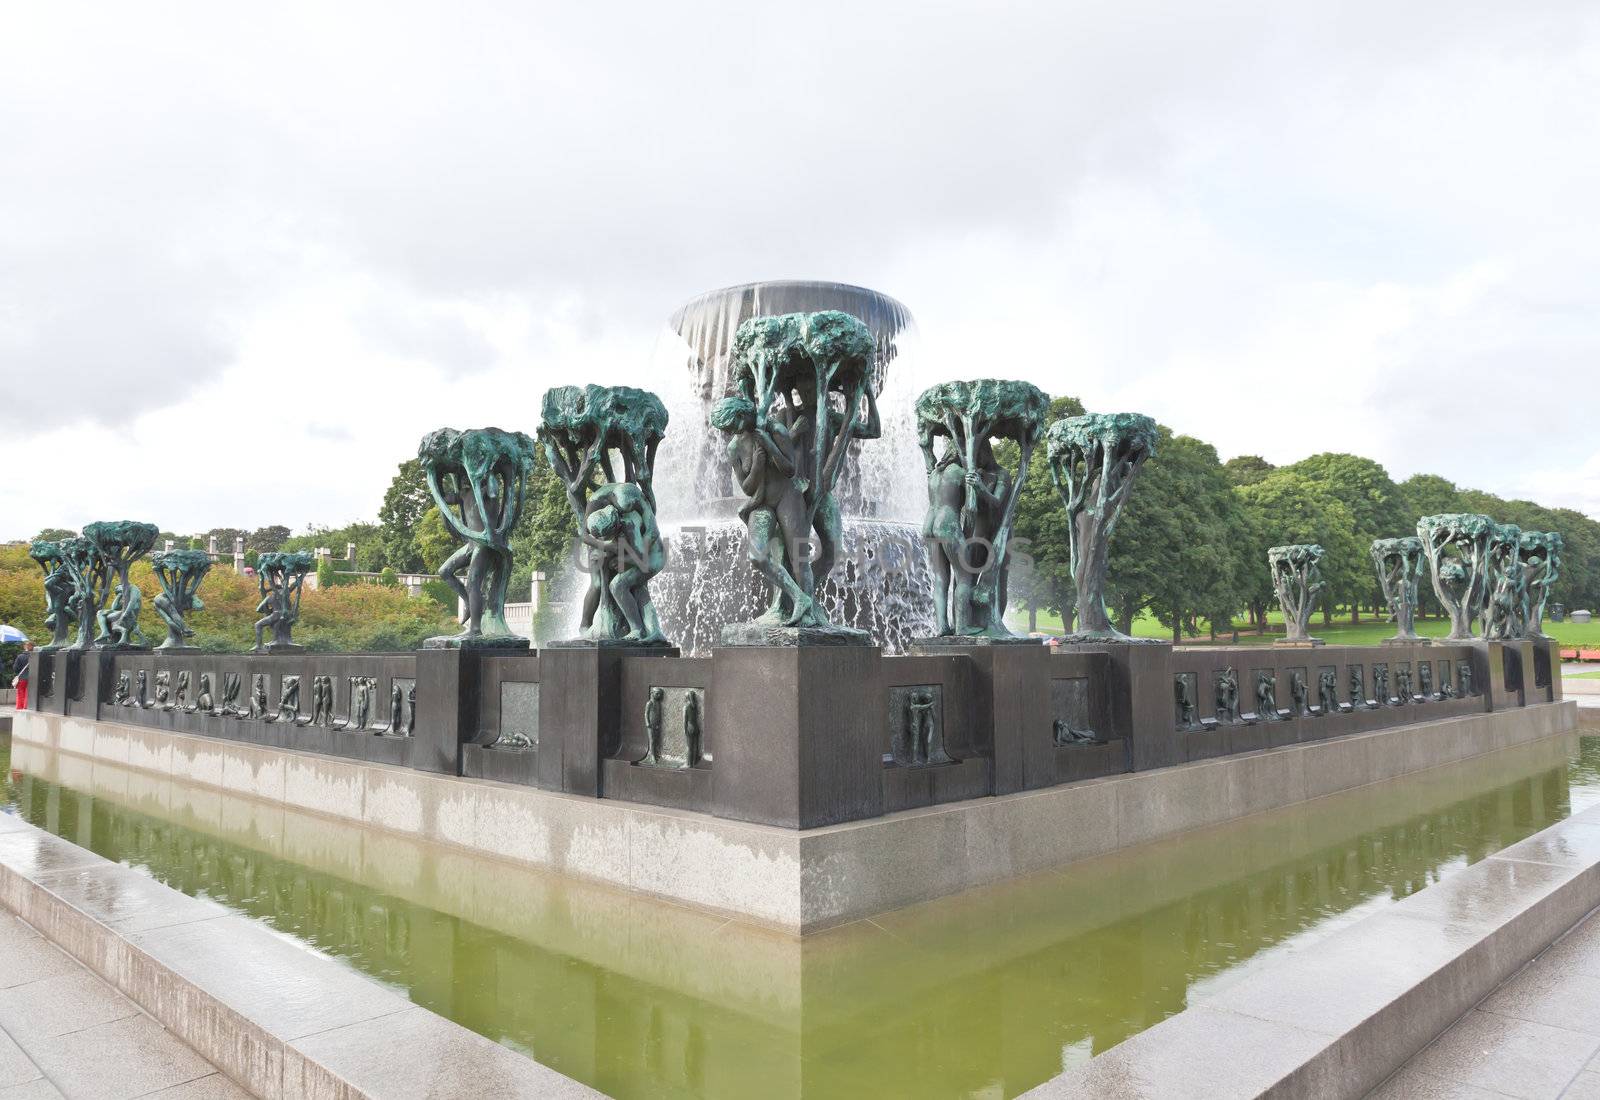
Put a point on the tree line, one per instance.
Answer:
(1191, 546)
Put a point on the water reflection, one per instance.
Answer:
(986, 994)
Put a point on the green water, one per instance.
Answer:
(987, 994)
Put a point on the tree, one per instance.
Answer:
(53, 534)
(404, 502)
(1374, 503)
(266, 540)
(1041, 568)
(542, 539)
(366, 536)
(1427, 495)
(1288, 507)
(1247, 469)
(434, 540)
(225, 537)
(1176, 550)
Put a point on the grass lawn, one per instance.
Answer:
(1595, 675)
(1367, 632)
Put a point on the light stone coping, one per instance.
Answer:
(277, 1018)
(1339, 1015)
(800, 881)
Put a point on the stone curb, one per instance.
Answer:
(802, 881)
(1340, 1015)
(280, 1020)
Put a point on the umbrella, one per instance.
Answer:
(11, 634)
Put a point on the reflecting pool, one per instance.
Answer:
(986, 994)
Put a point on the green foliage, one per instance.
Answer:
(434, 539)
(266, 540)
(325, 574)
(1041, 577)
(1288, 507)
(252, 557)
(1176, 551)
(544, 532)
(1376, 505)
(441, 594)
(403, 504)
(1247, 469)
(388, 578)
(53, 534)
(367, 537)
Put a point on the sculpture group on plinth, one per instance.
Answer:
(972, 498)
(180, 573)
(601, 441)
(118, 544)
(804, 396)
(1297, 581)
(1540, 552)
(1094, 459)
(91, 584)
(281, 578)
(477, 478)
(1457, 547)
(1399, 565)
(58, 589)
(1506, 583)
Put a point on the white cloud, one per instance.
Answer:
(283, 243)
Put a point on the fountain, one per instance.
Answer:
(882, 584)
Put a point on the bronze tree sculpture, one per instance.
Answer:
(1399, 565)
(58, 590)
(601, 441)
(118, 543)
(478, 478)
(1457, 548)
(1297, 580)
(180, 573)
(804, 397)
(1094, 459)
(972, 498)
(281, 579)
(1540, 552)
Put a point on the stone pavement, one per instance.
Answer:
(66, 1033)
(1585, 691)
(1536, 1036)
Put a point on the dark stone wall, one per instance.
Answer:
(803, 736)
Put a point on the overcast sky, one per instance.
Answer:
(250, 253)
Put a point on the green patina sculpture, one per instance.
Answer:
(1540, 552)
(281, 578)
(1506, 587)
(58, 589)
(119, 543)
(180, 573)
(478, 478)
(91, 584)
(1094, 459)
(804, 396)
(1399, 565)
(1457, 548)
(1297, 580)
(972, 499)
(591, 435)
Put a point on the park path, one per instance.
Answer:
(1536, 1037)
(66, 1033)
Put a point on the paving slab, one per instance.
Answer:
(1350, 1014)
(65, 1032)
(1536, 1036)
(146, 992)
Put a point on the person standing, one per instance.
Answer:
(19, 675)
